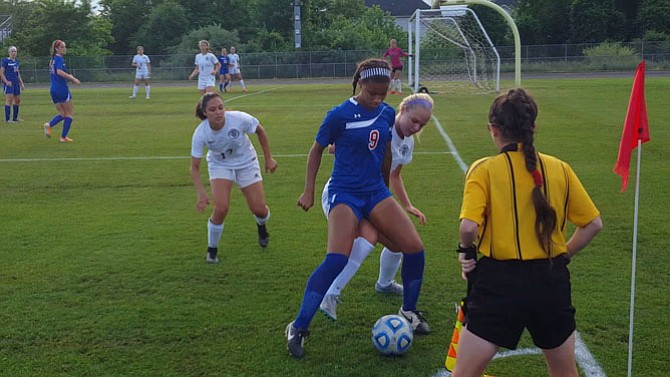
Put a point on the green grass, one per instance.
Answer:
(102, 253)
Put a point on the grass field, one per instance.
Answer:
(102, 268)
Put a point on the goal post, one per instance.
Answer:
(451, 50)
(508, 19)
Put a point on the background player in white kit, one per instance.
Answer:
(235, 71)
(206, 67)
(231, 158)
(142, 65)
(414, 112)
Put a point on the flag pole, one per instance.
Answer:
(632, 280)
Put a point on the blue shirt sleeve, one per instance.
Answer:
(330, 129)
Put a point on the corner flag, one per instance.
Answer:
(635, 128)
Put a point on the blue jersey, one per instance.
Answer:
(11, 67)
(58, 84)
(360, 138)
(224, 64)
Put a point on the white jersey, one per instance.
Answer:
(205, 63)
(142, 62)
(401, 154)
(234, 61)
(230, 146)
(401, 149)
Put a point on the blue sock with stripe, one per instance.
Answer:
(66, 126)
(16, 112)
(55, 120)
(316, 288)
(7, 112)
(412, 278)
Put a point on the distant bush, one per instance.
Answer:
(609, 56)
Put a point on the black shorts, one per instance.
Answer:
(398, 69)
(508, 296)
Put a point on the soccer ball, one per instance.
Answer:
(392, 334)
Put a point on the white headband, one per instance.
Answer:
(376, 71)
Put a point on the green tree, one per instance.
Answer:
(126, 18)
(543, 21)
(164, 28)
(43, 22)
(595, 21)
(217, 36)
(654, 16)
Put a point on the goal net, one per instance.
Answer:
(452, 51)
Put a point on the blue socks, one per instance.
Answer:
(66, 126)
(412, 277)
(316, 288)
(16, 112)
(7, 112)
(55, 120)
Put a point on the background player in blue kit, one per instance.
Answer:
(12, 84)
(224, 75)
(360, 128)
(60, 93)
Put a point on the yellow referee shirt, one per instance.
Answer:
(497, 196)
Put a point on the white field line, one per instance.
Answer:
(587, 363)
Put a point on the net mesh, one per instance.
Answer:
(454, 51)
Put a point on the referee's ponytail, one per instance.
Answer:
(514, 113)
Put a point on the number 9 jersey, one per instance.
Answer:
(360, 137)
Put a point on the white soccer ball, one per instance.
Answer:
(392, 334)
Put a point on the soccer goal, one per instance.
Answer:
(452, 51)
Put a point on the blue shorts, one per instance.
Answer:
(14, 90)
(60, 97)
(360, 204)
(223, 71)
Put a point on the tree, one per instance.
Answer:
(217, 36)
(543, 21)
(595, 21)
(654, 16)
(43, 22)
(164, 28)
(126, 18)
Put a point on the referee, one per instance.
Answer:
(515, 209)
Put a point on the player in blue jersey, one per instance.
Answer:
(413, 114)
(224, 74)
(60, 93)
(12, 84)
(360, 128)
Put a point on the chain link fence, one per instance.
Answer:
(342, 63)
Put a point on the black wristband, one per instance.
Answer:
(470, 252)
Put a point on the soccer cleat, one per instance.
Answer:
(132, 97)
(295, 341)
(244, 90)
(66, 140)
(47, 130)
(393, 92)
(263, 235)
(211, 255)
(329, 306)
(394, 288)
(417, 320)
(17, 120)
(147, 97)
(9, 121)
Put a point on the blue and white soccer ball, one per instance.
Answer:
(392, 334)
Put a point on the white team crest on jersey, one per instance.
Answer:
(233, 134)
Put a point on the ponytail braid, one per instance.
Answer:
(514, 113)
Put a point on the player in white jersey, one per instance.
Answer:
(231, 159)
(206, 67)
(142, 65)
(413, 114)
(235, 71)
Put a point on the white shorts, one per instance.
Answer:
(243, 177)
(142, 76)
(204, 82)
(234, 71)
(325, 205)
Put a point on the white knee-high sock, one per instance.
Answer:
(359, 251)
(398, 85)
(243, 85)
(214, 233)
(147, 90)
(389, 262)
(134, 90)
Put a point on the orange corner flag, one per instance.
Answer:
(635, 128)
